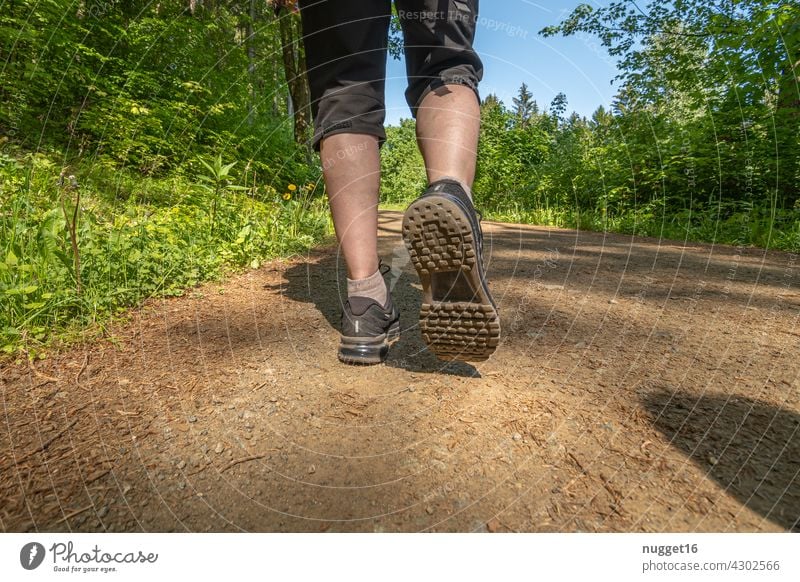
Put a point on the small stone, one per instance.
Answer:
(412, 389)
(613, 301)
(192, 418)
(219, 448)
(517, 436)
(580, 345)
(712, 459)
(181, 486)
(524, 409)
(181, 464)
(312, 469)
(493, 525)
(429, 510)
(273, 399)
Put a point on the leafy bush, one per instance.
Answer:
(129, 249)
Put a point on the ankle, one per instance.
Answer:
(373, 287)
(467, 189)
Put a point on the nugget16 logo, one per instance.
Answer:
(31, 555)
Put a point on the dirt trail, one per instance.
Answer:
(639, 386)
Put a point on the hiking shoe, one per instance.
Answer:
(367, 329)
(458, 318)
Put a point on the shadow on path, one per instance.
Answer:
(749, 447)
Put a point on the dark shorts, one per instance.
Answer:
(346, 49)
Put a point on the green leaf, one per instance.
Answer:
(11, 258)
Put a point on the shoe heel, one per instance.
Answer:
(460, 331)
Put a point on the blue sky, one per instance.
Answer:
(513, 52)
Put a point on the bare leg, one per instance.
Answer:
(448, 124)
(351, 166)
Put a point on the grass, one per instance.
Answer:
(76, 252)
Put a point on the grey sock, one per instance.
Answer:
(373, 287)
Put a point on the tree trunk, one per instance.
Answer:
(251, 62)
(294, 66)
(787, 120)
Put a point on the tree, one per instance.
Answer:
(734, 59)
(558, 107)
(294, 63)
(523, 106)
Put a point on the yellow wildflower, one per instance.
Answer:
(287, 196)
(292, 187)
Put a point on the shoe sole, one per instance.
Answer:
(458, 318)
(367, 351)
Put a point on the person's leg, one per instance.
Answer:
(351, 166)
(346, 59)
(443, 74)
(448, 124)
(459, 319)
(346, 44)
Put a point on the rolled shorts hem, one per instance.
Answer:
(346, 112)
(436, 84)
(356, 128)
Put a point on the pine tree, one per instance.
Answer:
(559, 106)
(523, 106)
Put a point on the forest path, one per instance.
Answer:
(639, 386)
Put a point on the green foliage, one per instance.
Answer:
(143, 85)
(732, 66)
(131, 250)
(402, 169)
(176, 126)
